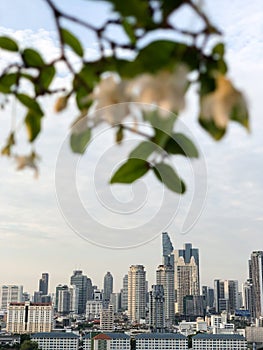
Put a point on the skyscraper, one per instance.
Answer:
(136, 293)
(168, 256)
(84, 286)
(43, 283)
(156, 309)
(124, 293)
(107, 287)
(186, 274)
(256, 272)
(226, 295)
(10, 294)
(165, 277)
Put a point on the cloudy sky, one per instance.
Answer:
(37, 235)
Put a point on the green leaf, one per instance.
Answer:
(7, 81)
(30, 103)
(180, 144)
(32, 58)
(166, 174)
(8, 44)
(143, 150)
(210, 126)
(79, 141)
(168, 6)
(239, 112)
(219, 50)
(46, 76)
(129, 31)
(130, 171)
(33, 125)
(119, 135)
(70, 39)
(207, 84)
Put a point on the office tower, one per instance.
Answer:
(226, 295)
(165, 277)
(84, 285)
(10, 294)
(208, 294)
(157, 309)
(136, 293)
(37, 297)
(124, 293)
(107, 319)
(247, 298)
(63, 299)
(107, 287)
(186, 275)
(43, 284)
(256, 263)
(115, 301)
(29, 317)
(168, 256)
(194, 306)
(74, 301)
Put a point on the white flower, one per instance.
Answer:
(164, 89)
(110, 101)
(219, 104)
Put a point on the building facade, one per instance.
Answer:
(56, 341)
(107, 287)
(136, 293)
(43, 283)
(84, 286)
(29, 317)
(11, 294)
(157, 309)
(157, 341)
(256, 266)
(107, 341)
(219, 341)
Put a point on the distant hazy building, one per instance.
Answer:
(43, 283)
(124, 293)
(257, 282)
(10, 294)
(226, 295)
(136, 293)
(107, 319)
(107, 287)
(157, 309)
(63, 299)
(115, 301)
(84, 285)
(93, 309)
(247, 296)
(74, 301)
(165, 277)
(29, 317)
(194, 305)
(208, 294)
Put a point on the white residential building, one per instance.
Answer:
(107, 341)
(56, 341)
(11, 294)
(204, 341)
(157, 341)
(29, 317)
(107, 319)
(136, 293)
(93, 309)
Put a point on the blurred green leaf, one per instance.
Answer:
(30, 103)
(7, 81)
(239, 113)
(119, 135)
(130, 171)
(33, 125)
(70, 40)
(7, 43)
(32, 58)
(168, 6)
(79, 141)
(129, 29)
(181, 144)
(210, 126)
(166, 174)
(143, 150)
(219, 50)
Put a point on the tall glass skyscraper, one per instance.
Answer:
(107, 287)
(43, 284)
(84, 285)
(256, 270)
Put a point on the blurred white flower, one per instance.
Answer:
(165, 89)
(110, 100)
(219, 104)
(27, 162)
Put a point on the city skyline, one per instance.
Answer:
(34, 234)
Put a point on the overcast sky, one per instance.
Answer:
(34, 236)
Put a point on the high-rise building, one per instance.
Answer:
(11, 294)
(107, 319)
(63, 299)
(247, 296)
(136, 293)
(74, 301)
(29, 317)
(84, 286)
(208, 294)
(156, 309)
(124, 293)
(43, 283)
(165, 277)
(168, 256)
(186, 275)
(256, 267)
(226, 295)
(107, 287)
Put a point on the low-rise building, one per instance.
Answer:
(157, 341)
(56, 341)
(107, 341)
(219, 341)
